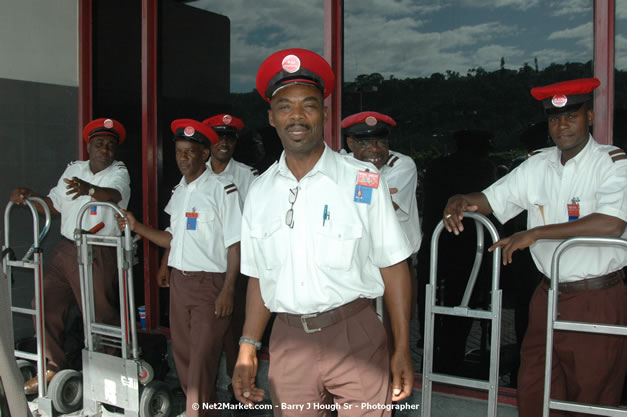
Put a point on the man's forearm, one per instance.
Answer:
(594, 224)
(158, 237)
(232, 266)
(257, 315)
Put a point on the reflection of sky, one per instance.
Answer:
(415, 38)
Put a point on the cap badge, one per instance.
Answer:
(371, 121)
(227, 119)
(189, 131)
(559, 100)
(108, 123)
(291, 63)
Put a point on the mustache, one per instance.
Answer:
(296, 124)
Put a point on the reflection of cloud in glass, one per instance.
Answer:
(409, 38)
(516, 4)
(569, 7)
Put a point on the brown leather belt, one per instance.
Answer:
(598, 283)
(315, 322)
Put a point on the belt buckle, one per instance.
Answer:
(303, 320)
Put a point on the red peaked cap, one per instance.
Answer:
(192, 130)
(107, 127)
(564, 95)
(225, 123)
(294, 66)
(367, 124)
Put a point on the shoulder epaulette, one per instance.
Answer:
(617, 155)
(532, 153)
(71, 163)
(254, 171)
(392, 161)
(174, 188)
(231, 188)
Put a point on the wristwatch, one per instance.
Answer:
(91, 191)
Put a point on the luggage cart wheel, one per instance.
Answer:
(156, 400)
(27, 368)
(66, 391)
(145, 373)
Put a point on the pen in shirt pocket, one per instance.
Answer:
(325, 214)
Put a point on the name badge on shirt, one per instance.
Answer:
(192, 218)
(368, 179)
(362, 194)
(573, 212)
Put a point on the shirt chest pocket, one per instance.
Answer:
(266, 240)
(205, 224)
(335, 245)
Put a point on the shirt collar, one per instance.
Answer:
(201, 179)
(226, 170)
(557, 156)
(326, 165)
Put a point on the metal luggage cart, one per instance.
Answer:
(462, 310)
(123, 381)
(574, 326)
(32, 260)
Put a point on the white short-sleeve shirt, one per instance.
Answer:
(242, 175)
(333, 253)
(114, 176)
(400, 172)
(595, 179)
(201, 244)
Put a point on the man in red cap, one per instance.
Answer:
(101, 178)
(221, 163)
(366, 135)
(576, 188)
(320, 241)
(203, 238)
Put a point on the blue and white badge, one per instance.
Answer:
(362, 194)
(93, 210)
(192, 219)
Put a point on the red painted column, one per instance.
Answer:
(149, 151)
(85, 89)
(334, 54)
(604, 70)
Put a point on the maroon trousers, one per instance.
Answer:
(586, 368)
(197, 335)
(234, 332)
(62, 286)
(344, 367)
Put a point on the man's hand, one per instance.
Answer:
(520, 240)
(224, 303)
(402, 374)
(244, 374)
(163, 275)
(77, 187)
(394, 191)
(454, 213)
(123, 221)
(20, 194)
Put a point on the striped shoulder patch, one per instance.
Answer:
(254, 171)
(617, 155)
(231, 188)
(392, 161)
